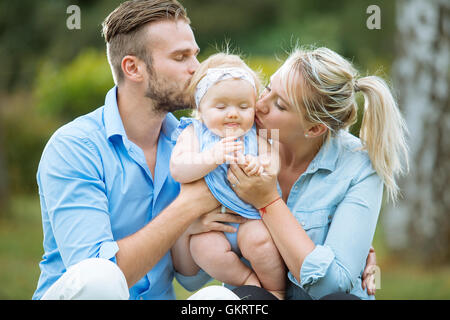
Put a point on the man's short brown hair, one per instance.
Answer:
(124, 34)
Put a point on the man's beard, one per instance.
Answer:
(166, 95)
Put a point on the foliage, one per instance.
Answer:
(68, 75)
(24, 135)
(76, 88)
(259, 27)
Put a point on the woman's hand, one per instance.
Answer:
(368, 277)
(256, 190)
(213, 221)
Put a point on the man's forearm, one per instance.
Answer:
(139, 252)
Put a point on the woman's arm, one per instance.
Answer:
(187, 164)
(338, 262)
(291, 240)
(333, 266)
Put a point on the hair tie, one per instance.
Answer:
(356, 87)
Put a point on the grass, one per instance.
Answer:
(21, 251)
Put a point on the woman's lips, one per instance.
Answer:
(258, 122)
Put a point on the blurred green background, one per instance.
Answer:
(51, 74)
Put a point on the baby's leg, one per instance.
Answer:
(257, 246)
(212, 252)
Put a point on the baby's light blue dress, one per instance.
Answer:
(217, 179)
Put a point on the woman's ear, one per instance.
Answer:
(316, 130)
(132, 68)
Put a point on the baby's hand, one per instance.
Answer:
(252, 166)
(224, 150)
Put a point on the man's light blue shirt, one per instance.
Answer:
(96, 188)
(337, 201)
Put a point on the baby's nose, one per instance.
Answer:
(232, 112)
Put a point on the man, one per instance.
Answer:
(110, 208)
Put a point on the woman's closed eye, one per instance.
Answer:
(279, 106)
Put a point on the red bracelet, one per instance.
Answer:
(262, 211)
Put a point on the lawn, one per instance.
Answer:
(21, 250)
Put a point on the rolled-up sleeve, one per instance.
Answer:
(335, 265)
(316, 265)
(71, 184)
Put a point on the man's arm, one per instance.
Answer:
(73, 200)
(74, 195)
(139, 252)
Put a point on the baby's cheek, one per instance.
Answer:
(250, 116)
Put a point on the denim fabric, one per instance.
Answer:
(337, 201)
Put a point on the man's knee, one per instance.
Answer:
(91, 279)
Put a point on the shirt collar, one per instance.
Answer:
(327, 156)
(113, 121)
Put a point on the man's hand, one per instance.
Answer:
(213, 221)
(198, 195)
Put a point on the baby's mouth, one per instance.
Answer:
(232, 124)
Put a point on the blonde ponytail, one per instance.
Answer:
(383, 132)
(329, 85)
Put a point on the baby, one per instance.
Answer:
(225, 89)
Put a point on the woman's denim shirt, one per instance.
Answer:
(337, 201)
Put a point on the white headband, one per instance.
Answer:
(214, 75)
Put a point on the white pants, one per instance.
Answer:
(90, 279)
(214, 293)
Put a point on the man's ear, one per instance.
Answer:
(133, 68)
(316, 130)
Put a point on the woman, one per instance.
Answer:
(331, 182)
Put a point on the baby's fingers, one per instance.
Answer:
(229, 139)
(252, 168)
(230, 159)
(233, 146)
(260, 171)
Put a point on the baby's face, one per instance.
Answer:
(228, 108)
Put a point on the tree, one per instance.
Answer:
(419, 225)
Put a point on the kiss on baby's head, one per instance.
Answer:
(224, 91)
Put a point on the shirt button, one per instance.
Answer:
(303, 223)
